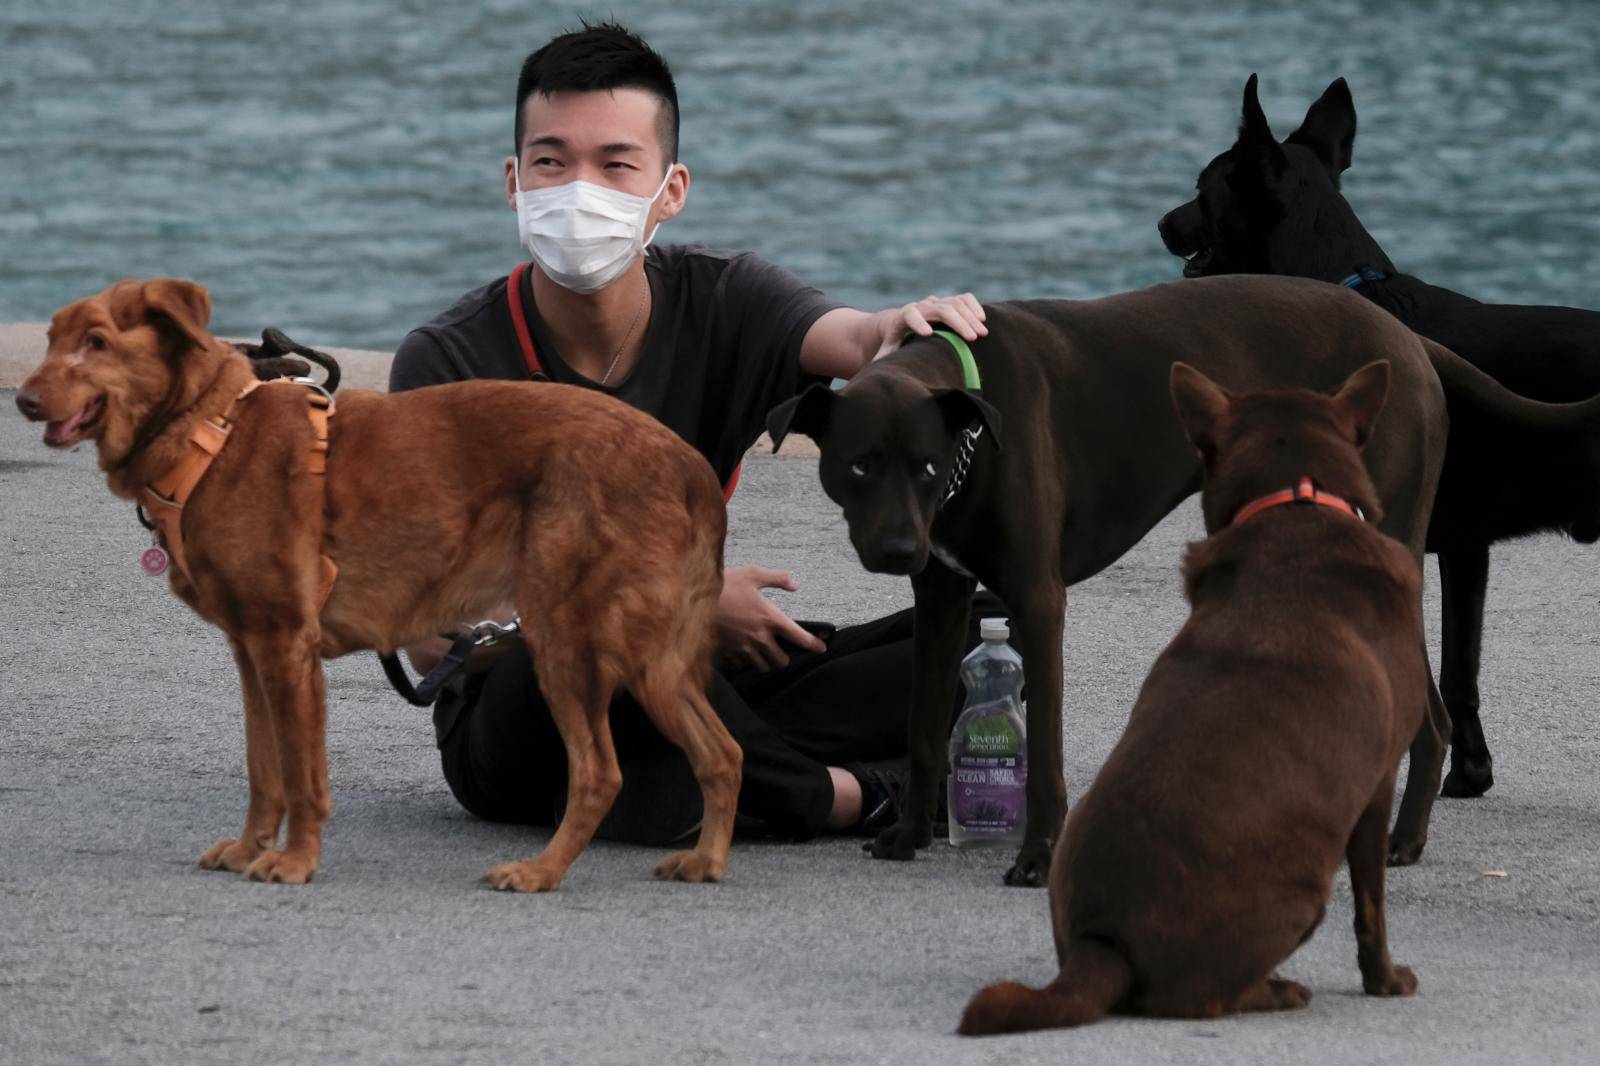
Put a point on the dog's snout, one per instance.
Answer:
(29, 403)
(1177, 229)
(898, 551)
(1168, 228)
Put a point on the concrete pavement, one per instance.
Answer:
(121, 758)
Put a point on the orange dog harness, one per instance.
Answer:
(1305, 492)
(163, 499)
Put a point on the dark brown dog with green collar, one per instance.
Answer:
(1088, 460)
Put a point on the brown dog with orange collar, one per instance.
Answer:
(1265, 742)
(304, 536)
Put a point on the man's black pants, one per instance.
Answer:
(504, 760)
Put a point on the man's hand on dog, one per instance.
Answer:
(749, 625)
(962, 314)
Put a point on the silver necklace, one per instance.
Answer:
(625, 337)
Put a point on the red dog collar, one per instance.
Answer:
(1305, 492)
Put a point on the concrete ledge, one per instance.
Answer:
(22, 345)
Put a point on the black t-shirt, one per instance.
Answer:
(721, 349)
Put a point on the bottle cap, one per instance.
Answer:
(994, 629)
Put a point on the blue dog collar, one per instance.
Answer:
(1362, 276)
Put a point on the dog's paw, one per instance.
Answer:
(282, 867)
(1404, 852)
(1274, 993)
(1468, 779)
(690, 866)
(228, 854)
(529, 875)
(899, 843)
(1395, 981)
(1032, 868)
(1288, 995)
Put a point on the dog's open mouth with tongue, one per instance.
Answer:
(65, 432)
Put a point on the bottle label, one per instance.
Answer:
(988, 796)
(989, 776)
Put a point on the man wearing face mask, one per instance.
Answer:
(706, 341)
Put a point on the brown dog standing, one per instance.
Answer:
(436, 505)
(1264, 743)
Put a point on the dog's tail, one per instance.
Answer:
(1094, 978)
(1465, 383)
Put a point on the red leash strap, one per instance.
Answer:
(1304, 492)
(519, 319)
(519, 322)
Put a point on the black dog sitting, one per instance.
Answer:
(1270, 208)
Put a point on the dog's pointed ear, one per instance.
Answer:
(961, 409)
(180, 308)
(1259, 157)
(1200, 403)
(1329, 129)
(806, 413)
(1253, 128)
(1360, 400)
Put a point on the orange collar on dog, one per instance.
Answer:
(163, 498)
(1304, 492)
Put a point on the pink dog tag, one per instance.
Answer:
(154, 560)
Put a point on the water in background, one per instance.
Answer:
(334, 167)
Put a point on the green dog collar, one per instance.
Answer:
(969, 365)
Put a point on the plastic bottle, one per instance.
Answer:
(989, 746)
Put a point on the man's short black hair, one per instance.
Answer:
(600, 58)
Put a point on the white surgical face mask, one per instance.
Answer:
(583, 236)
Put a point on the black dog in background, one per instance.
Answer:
(1265, 207)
